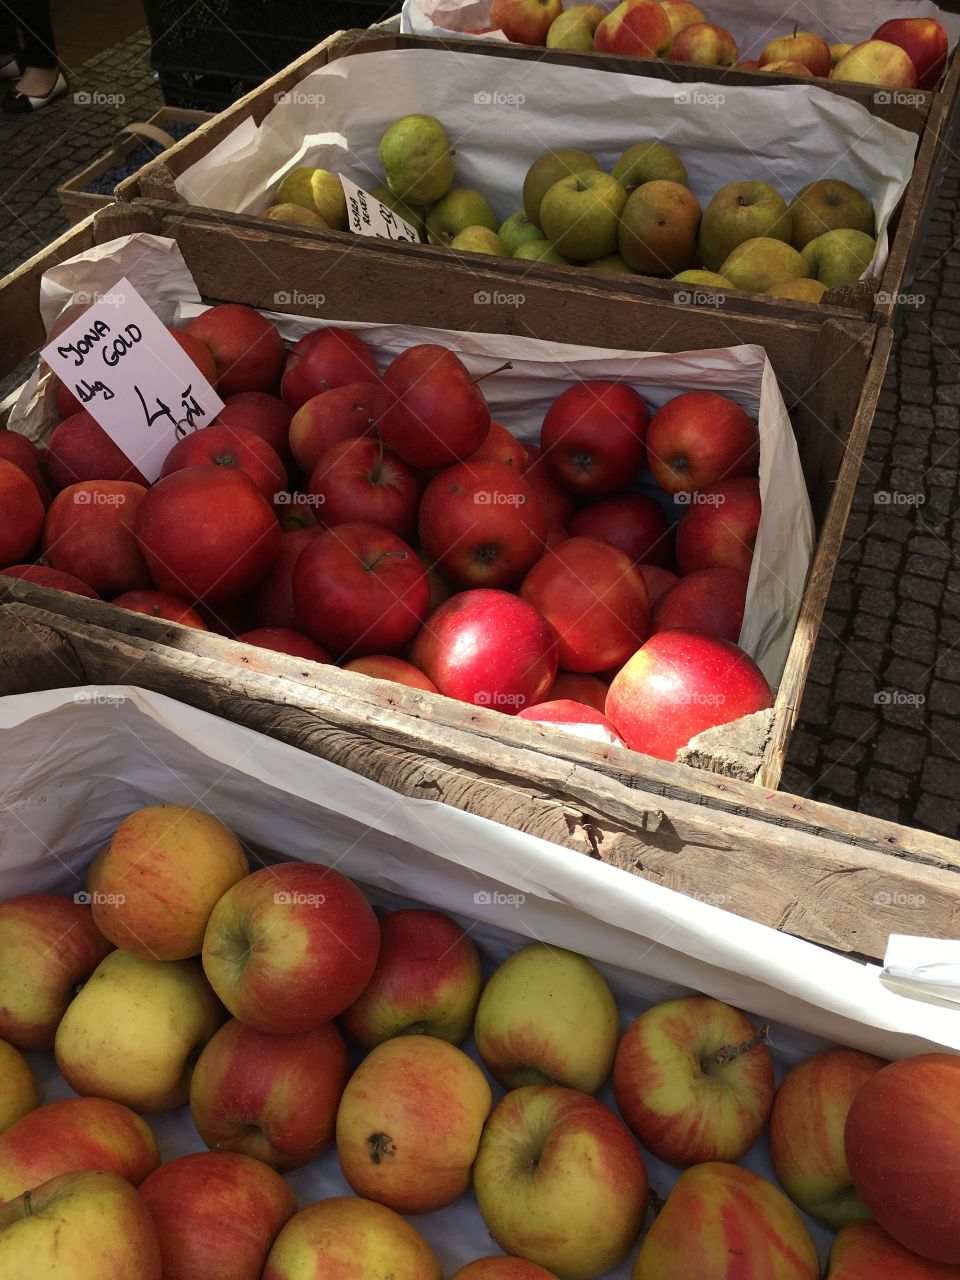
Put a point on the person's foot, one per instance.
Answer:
(37, 82)
(36, 88)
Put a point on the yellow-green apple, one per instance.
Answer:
(710, 602)
(272, 1097)
(805, 47)
(77, 1225)
(295, 213)
(541, 251)
(502, 1268)
(757, 264)
(637, 27)
(414, 214)
(458, 209)
(925, 42)
(547, 1016)
(409, 1123)
(837, 51)
(720, 527)
(658, 228)
(291, 946)
(154, 885)
(786, 69)
(681, 14)
(517, 230)
(525, 21)
(216, 1215)
(559, 1181)
(806, 1133)
(48, 945)
(721, 1221)
(864, 1251)
(417, 160)
(350, 1238)
(648, 162)
(705, 44)
(580, 214)
(741, 211)
(18, 1086)
(574, 28)
(902, 1142)
(802, 290)
(877, 62)
(710, 279)
(592, 437)
(75, 1133)
(427, 982)
(595, 598)
(838, 257)
(694, 1081)
(316, 190)
(133, 1031)
(698, 438)
(564, 162)
(825, 206)
(478, 240)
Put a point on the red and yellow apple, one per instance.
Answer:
(525, 21)
(877, 62)
(501, 1268)
(355, 1239)
(864, 1251)
(924, 41)
(804, 47)
(18, 1086)
(705, 44)
(638, 27)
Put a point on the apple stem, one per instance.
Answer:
(507, 364)
(796, 28)
(731, 1051)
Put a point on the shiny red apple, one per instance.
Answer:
(438, 414)
(322, 360)
(358, 479)
(698, 438)
(720, 527)
(592, 437)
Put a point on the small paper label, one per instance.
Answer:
(132, 375)
(368, 217)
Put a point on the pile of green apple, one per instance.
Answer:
(291, 1018)
(641, 218)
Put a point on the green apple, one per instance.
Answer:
(409, 213)
(295, 215)
(547, 1016)
(580, 214)
(839, 257)
(709, 278)
(658, 228)
(317, 190)
(827, 205)
(416, 156)
(646, 162)
(761, 262)
(548, 169)
(132, 1031)
(575, 27)
(802, 290)
(541, 251)
(611, 262)
(479, 240)
(518, 230)
(457, 210)
(741, 211)
(18, 1087)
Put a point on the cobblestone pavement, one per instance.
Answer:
(879, 727)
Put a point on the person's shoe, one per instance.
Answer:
(18, 104)
(9, 67)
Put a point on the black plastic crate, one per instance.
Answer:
(207, 53)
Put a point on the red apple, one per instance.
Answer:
(235, 447)
(902, 1142)
(593, 436)
(635, 27)
(525, 21)
(481, 524)
(558, 504)
(48, 945)
(720, 527)
(285, 640)
(23, 453)
(501, 446)
(694, 1081)
(805, 47)
(80, 449)
(216, 1215)
(806, 1133)
(271, 1097)
(199, 352)
(246, 346)
(23, 513)
(226, 618)
(290, 947)
(924, 41)
(271, 603)
(577, 686)
(632, 522)
(709, 602)
(749, 64)
(864, 1251)
(680, 684)
(351, 1238)
(341, 413)
(382, 666)
(207, 533)
(705, 44)
(427, 982)
(501, 1268)
(357, 479)
(438, 414)
(786, 69)
(42, 576)
(160, 604)
(489, 648)
(699, 438)
(658, 580)
(67, 402)
(89, 534)
(265, 415)
(595, 599)
(575, 717)
(359, 589)
(324, 359)
(877, 62)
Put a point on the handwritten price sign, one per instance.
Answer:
(132, 375)
(368, 217)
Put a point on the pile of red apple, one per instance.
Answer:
(903, 53)
(292, 1020)
(386, 522)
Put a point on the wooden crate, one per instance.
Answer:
(930, 115)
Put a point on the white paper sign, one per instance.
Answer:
(366, 216)
(132, 375)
